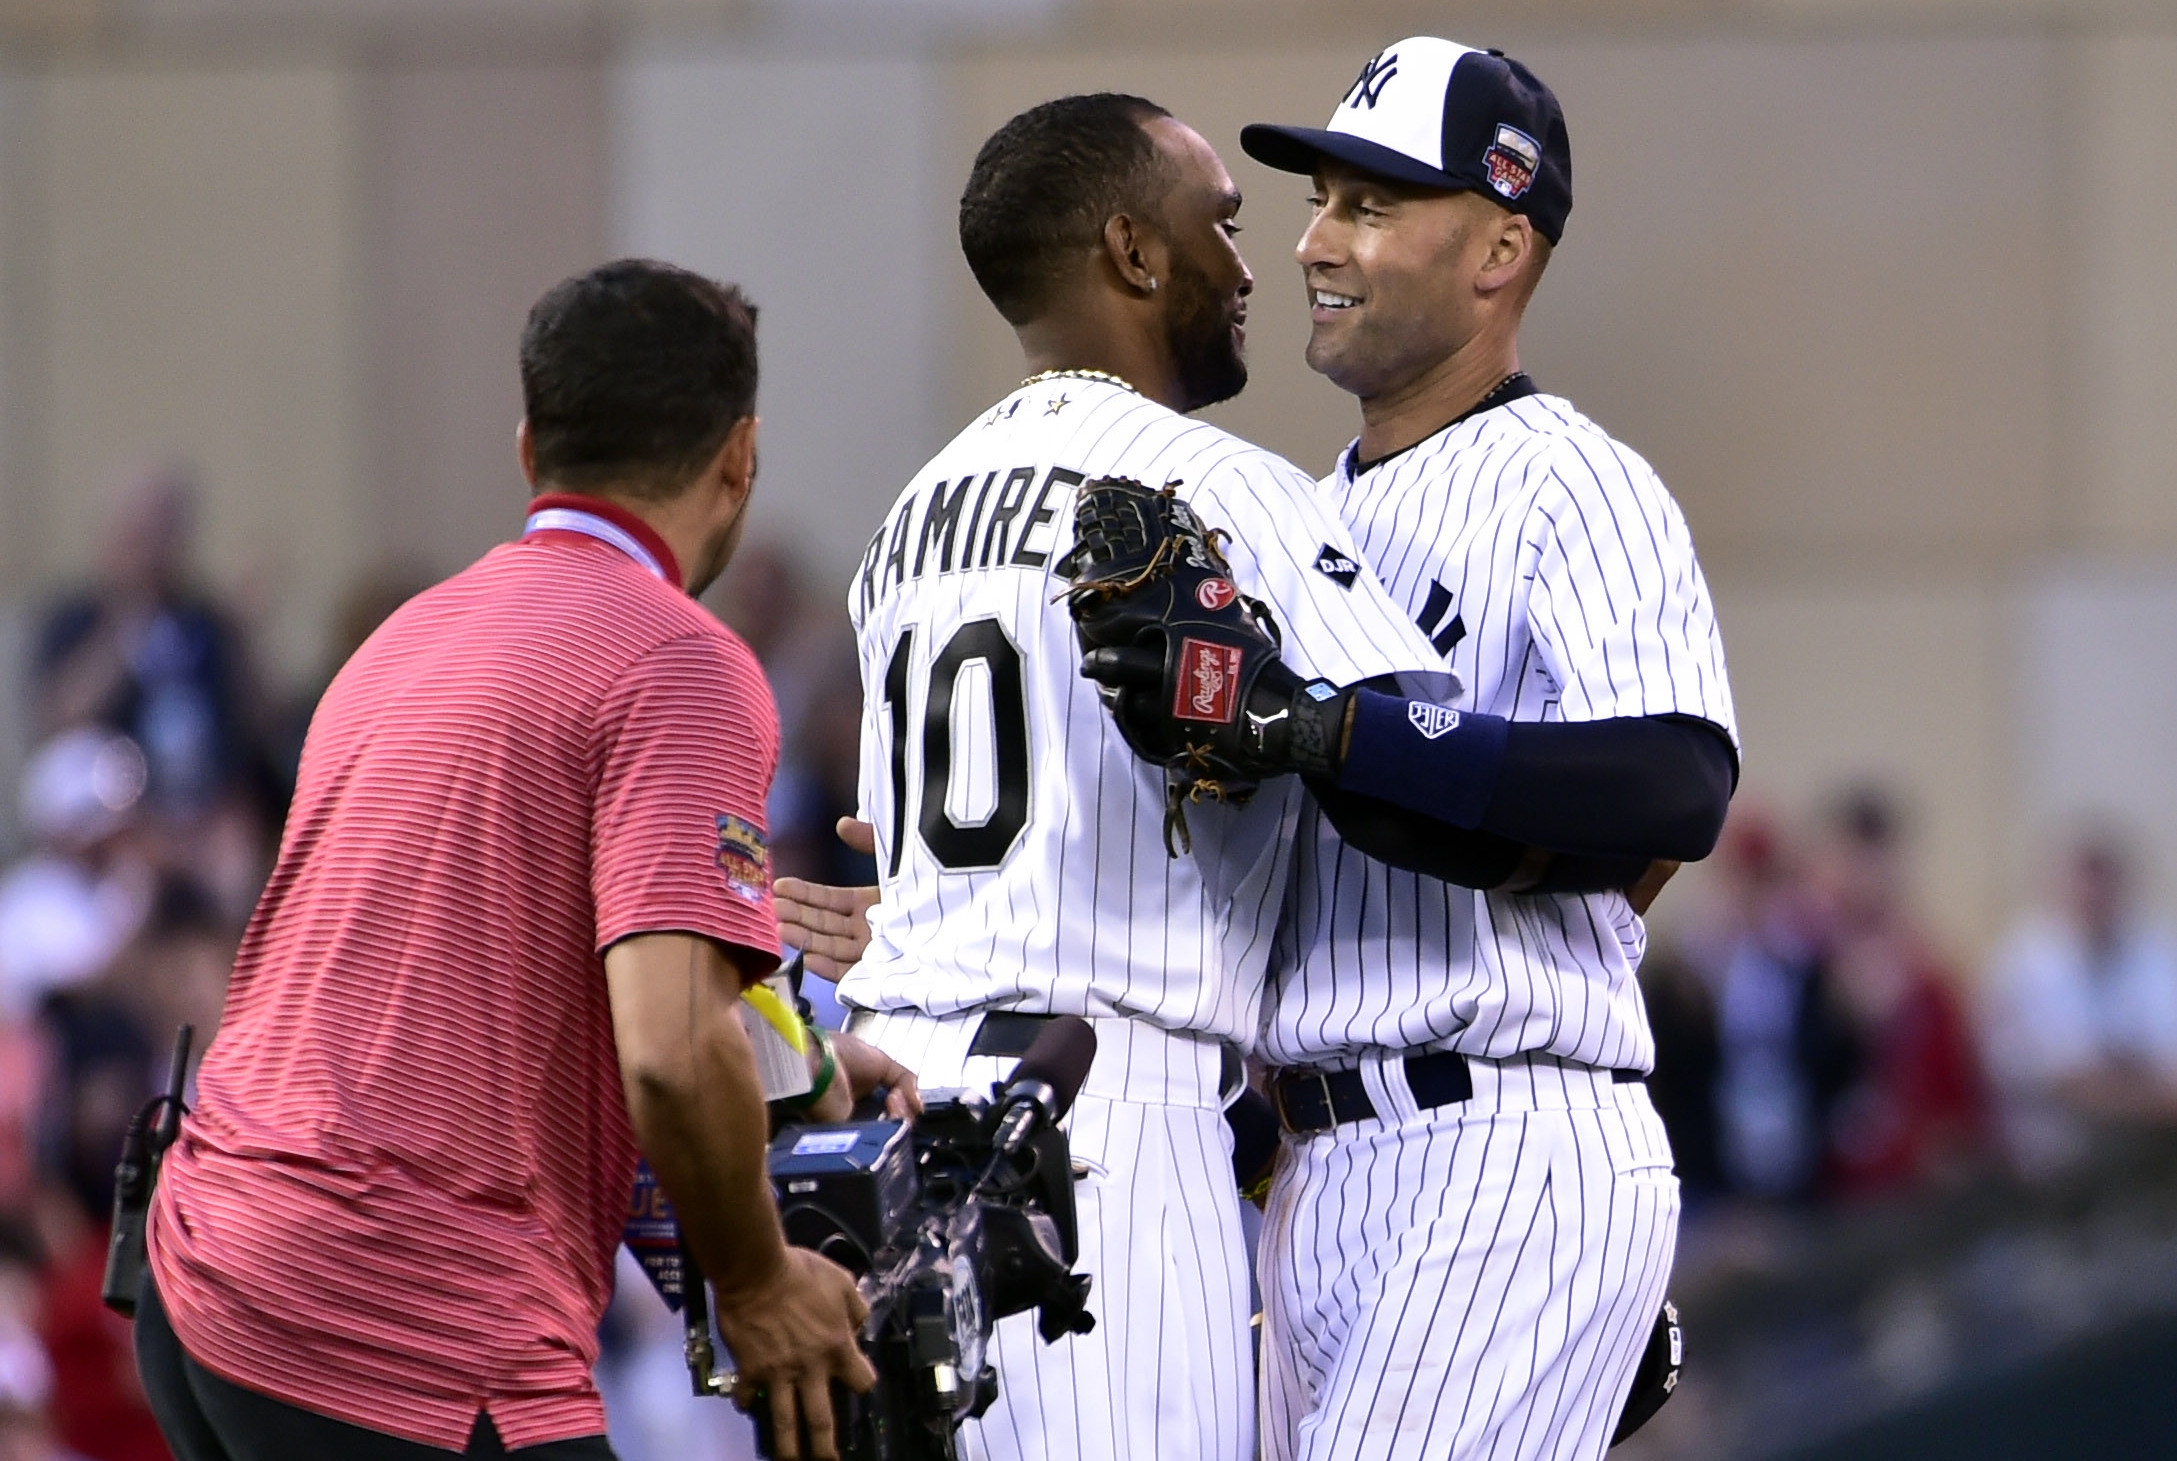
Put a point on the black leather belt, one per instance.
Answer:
(1309, 1101)
(1009, 1033)
(1006, 1033)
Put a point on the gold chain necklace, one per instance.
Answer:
(1085, 374)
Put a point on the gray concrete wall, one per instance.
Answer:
(1882, 290)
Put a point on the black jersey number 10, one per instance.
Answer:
(956, 846)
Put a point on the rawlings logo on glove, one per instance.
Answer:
(1180, 652)
(1209, 675)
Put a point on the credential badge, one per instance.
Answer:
(1432, 720)
(1511, 161)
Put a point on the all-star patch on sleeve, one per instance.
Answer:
(744, 857)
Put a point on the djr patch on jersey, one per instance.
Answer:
(1336, 566)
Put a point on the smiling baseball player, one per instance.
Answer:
(1468, 1245)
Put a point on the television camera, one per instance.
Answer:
(951, 1222)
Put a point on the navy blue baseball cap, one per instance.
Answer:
(1441, 115)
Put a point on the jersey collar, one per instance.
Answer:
(1508, 390)
(607, 522)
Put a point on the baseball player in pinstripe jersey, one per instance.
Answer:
(1474, 1219)
(1020, 843)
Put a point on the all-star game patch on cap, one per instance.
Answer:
(1442, 115)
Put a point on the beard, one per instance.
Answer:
(1198, 329)
(716, 553)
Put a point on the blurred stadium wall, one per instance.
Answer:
(1882, 287)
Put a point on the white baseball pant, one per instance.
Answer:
(1473, 1282)
(1166, 1374)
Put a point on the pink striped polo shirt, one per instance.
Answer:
(397, 1200)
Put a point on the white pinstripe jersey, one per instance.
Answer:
(1020, 843)
(1553, 571)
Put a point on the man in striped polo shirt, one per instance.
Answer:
(522, 886)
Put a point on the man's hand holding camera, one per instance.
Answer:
(792, 1332)
(792, 1319)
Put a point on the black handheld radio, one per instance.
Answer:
(150, 1132)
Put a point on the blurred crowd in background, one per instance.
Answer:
(1844, 1094)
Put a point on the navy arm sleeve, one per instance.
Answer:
(1629, 787)
(1418, 843)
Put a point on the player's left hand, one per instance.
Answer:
(866, 1068)
(829, 925)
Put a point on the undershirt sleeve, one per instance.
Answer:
(1575, 872)
(1416, 842)
(1628, 787)
(1468, 857)
(1650, 786)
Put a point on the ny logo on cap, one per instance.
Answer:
(1373, 78)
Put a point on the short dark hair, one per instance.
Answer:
(633, 373)
(1043, 186)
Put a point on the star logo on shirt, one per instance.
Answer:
(1055, 405)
